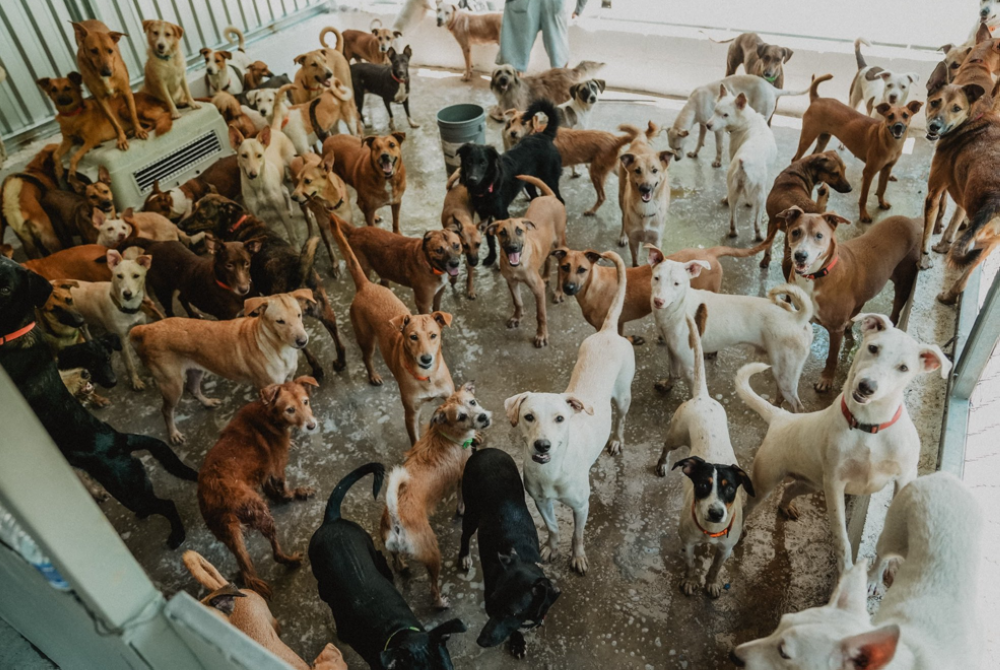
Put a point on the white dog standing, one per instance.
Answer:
(262, 171)
(874, 85)
(857, 445)
(565, 433)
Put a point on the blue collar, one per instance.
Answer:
(167, 57)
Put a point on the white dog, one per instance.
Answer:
(711, 490)
(989, 13)
(768, 324)
(262, 170)
(927, 621)
(857, 445)
(751, 151)
(873, 85)
(565, 432)
(226, 70)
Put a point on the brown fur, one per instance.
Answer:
(21, 205)
(457, 214)
(255, 75)
(335, 104)
(71, 215)
(359, 164)
(370, 46)
(320, 192)
(222, 177)
(98, 194)
(641, 167)
(317, 69)
(470, 28)
(166, 67)
(55, 333)
(757, 57)
(84, 263)
(520, 91)
(232, 112)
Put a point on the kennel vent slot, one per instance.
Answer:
(178, 161)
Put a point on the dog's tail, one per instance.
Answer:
(857, 52)
(631, 133)
(652, 130)
(353, 266)
(399, 479)
(784, 91)
(546, 107)
(712, 39)
(341, 489)
(159, 450)
(816, 81)
(585, 68)
(738, 252)
(696, 328)
(798, 301)
(766, 410)
(618, 303)
(203, 572)
(964, 252)
(340, 38)
(232, 31)
(307, 258)
(537, 183)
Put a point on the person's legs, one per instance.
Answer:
(517, 34)
(554, 31)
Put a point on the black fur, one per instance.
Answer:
(384, 81)
(87, 442)
(709, 477)
(356, 582)
(94, 357)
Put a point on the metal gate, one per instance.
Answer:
(36, 40)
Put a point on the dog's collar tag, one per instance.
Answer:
(410, 628)
(239, 222)
(167, 57)
(824, 272)
(721, 533)
(872, 428)
(20, 332)
(75, 112)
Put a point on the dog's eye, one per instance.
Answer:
(121, 276)
(135, 276)
(889, 86)
(581, 271)
(95, 51)
(782, 652)
(392, 145)
(956, 109)
(906, 116)
(529, 417)
(872, 348)
(560, 418)
(414, 337)
(904, 368)
(726, 115)
(655, 171)
(229, 266)
(308, 181)
(290, 410)
(305, 401)
(281, 321)
(819, 236)
(472, 402)
(677, 283)
(935, 103)
(434, 336)
(656, 278)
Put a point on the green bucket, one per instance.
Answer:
(459, 124)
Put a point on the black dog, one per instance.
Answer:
(94, 357)
(356, 582)
(275, 268)
(715, 479)
(86, 442)
(518, 594)
(491, 178)
(389, 82)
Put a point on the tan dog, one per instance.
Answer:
(432, 469)
(516, 91)
(232, 112)
(98, 193)
(643, 192)
(879, 143)
(230, 70)
(457, 214)
(166, 69)
(146, 225)
(261, 348)
(320, 192)
(249, 613)
(310, 122)
(469, 28)
(374, 167)
(370, 46)
(410, 345)
(83, 262)
(526, 243)
(318, 68)
(757, 57)
(21, 205)
(58, 320)
(104, 72)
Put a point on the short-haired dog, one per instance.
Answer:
(757, 57)
(166, 66)
(469, 28)
(873, 84)
(643, 192)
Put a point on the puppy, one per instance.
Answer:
(261, 175)
(234, 115)
(527, 243)
(564, 433)
(517, 592)
(356, 582)
(818, 448)
(371, 46)
(431, 469)
(251, 454)
(469, 28)
(458, 215)
(772, 325)
(878, 143)
(226, 71)
(711, 491)
(582, 98)
(643, 192)
(304, 124)
(59, 322)
(873, 85)
(751, 150)
(374, 167)
(166, 69)
(516, 91)
(391, 82)
(757, 58)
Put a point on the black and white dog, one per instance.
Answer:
(389, 82)
(582, 98)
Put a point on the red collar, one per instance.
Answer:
(224, 285)
(16, 334)
(824, 272)
(75, 112)
(284, 122)
(238, 223)
(311, 88)
(410, 370)
(397, 79)
(436, 272)
(721, 533)
(867, 427)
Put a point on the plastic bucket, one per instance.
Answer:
(459, 124)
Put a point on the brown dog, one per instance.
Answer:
(370, 46)
(410, 344)
(757, 57)
(72, 217)
(878, 143)
(222, 178)
(233, 114)
(458, 215)
(166, 68)
(251, 455)
(842, 276)
(105, 74)
(526, 243)
(320, 192)
(794, 187)
(98, 193)
(374, 167)
(84, 263)
(469, 28)
(21, 205)
(59, 322)
(318, 68)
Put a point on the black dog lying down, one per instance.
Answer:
(356, 582)
(491, 178)
(85, 441)
(518, 594)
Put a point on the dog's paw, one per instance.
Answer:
(413, 124)
(122, 143)
(375, 379)
(579, 564)
(733, 234)
(885, 205)
(623, 241)
(548, 553)
(714, 590)
(661, 469)
(590, 212)
(692, 154)
(541, 340)
(175, 115)
(790, 511)
(823, 191)
(304, 492)
(513, 322)
(517, 646)
(690, 586)
(636, 340)
(465, 562)
(765, 262)
(467, 77)
(942, 247)
(947, 298)
(866, 217)
(725, 201)
(292, 560)
(441, 603)
(716, 164)
(558, 298)
(892, 177)
(177, 437)
(664, 386)
(823, 385)
(614, 447)
(925, 262)
(471, 295)
(138, 384)
(210, 403)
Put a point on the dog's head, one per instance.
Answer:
(812, 238)
(213, 212)
(671, 279)
(99, 194)
(21, 291)
(215, 61)
(111, 232)
(163, 37)
(504, 78)
(512, 234)
(897, 119)
(264, 100)
(645, 170)
(95, 357)
(281, 315)
(231, 263)
(587, 92)
(59, 306)
(544, 420)
(828, 167)
(461, 224)
(255, 74)
(522, 596)
(159, 202)
(421, 650)
(730, 112)
(314, 71)
(445, 13)
(399, 62)
(385, 153)
(421, 337)
(715, 487)
(77, 382)
(954, 58)
(128, 279)
(517, 127)
(66, 93)
(949, 107)
(387, 38)
(461, 415)
(896, 86)
(770, 61)
(98, 49)
(988, 13)
(478, 166)
(288, 404)
(575, 268)
(315, 178)
(443, 250)
(250, 151)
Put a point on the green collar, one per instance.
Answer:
(464, 445)
(167, 57)
(410, 628)
(769, 79)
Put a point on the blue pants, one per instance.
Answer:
(522, 20)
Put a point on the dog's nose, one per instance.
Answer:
(867, 386)
(311, 425)
(106, 72)
(709, 125)
(252, 175)
(800, 257)
(985, 13)
(542, 446)
(483, 419)
(736, 660)
(127, 295)
(301, 341)
(659, 303)
(426, 359)
(716, 514)
(569, 288)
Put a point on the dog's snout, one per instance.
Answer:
(302, 341)
(898, 129)
(736, 660)
(867, 386)
(106, 72)
(311, 426)
(716, 514)
(984, 13)
(569, 288)
(709, 125)
(542, 446)
(426, 359)
(801, 256)
(127, 295)
(483, 419)
(658, 303)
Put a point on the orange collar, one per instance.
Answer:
(412, 373)
(75, 112)
(721, 533)
(16, 334)
(824, 272)
(992, 29)
(284, 122)
(224, 285)
(238, 223)
(867, 427)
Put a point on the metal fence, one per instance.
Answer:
(36, 40)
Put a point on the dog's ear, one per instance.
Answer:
(914, 77)
(43, 83)
(112, 341)
(116, 36)
(835, 219)
(544, 589)
(579, 405)
(666, 157)
(97, 218)
(213, 244)
(156, 188)
(224, 599)
(491, 229)
(399, 322)
(255, 306)
(945, 48)
(593, 256)
(440, 416)
(973, 92)
(299, 60)
(689, 465)
(512, 406)
(573, 90)
(391, 53)
(113, 258)
(407, 50)
(443, 318)
(851, 593)
(304, 296)
(743, 478)
(400, 136)
(67, 284)
(506, 560)
(146, 25)
(722, 91)
(528, 225)
(367, 141)
(305, 382)
(264, 136)
(786, 54)
(983, 33)
(128, 216)
(694, 268)
(144, 261)
(790, 215)
(932, 358)
(653, 255)
(559, 254)
(873, 650)
(39, 288)
(470, 386)
(327, 162)
(455, 226)
(80, 31)
(762, 49)
(440, 633)
(872, 323)
(103, 175)
(886, 76)
(741, 101)
(76, 78)
(914, 106)
(205, 52)
(883, 108)
(269, 394)
(627, 160)
(600, 84)
(938, 78)
(236, 137)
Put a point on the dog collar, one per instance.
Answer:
(239, 222)
(437, 273)
(339, 203)
(414, 374)
(824, 272)
(408, 628)
(284, 122)
(223, 285)
(75, 112)
(167, 57)
(397, 79)
(127, 310)
(465, 444)
(20, 332)
(867, 427)
(721, 533)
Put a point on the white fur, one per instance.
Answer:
(225, 79)
(262, 172)
(412, 13)
(398, 541)
(889, 87)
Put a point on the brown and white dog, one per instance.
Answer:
(21, 205)
(226, 70)
(318, 68)
(371, 46)
(757, 57)
(516, 91)
(166, 68)
(469, 28)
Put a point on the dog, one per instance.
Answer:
(248, 612)
(356, 582)
(988, 17)
(878, 143)
(926, 620)
(469, 28)
(232, 113)
(516, 91)
(86, 442)
(21, 205)
(526, 243)
(317, 184)
(105, 74)
(98, 193)
(757, 58)
(873, 85)
(77, 382)
(711, 491)
(261, 176)
(318, 69)
(410, 344)
(166, 68)
(304, 124)
(458, 215)
(261, 348)
(582, 98)
(779, 328)
(60, 323)
(840, 277)
(643, 192)
(94, 357)
(251, 454)
(132, 225)
(564, 433)
(431, 469)
(751, 150)
(700, 105)
(71, 216)
(817, 448)
(374, 167)
(86, 262)
(390, 82)
(222, 178)
(259, 75)
(371, 46)
(794, 187)
(226, 71)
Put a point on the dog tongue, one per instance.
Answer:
(514, 258)
(327, 83)
(647, 196)
(453, 271)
